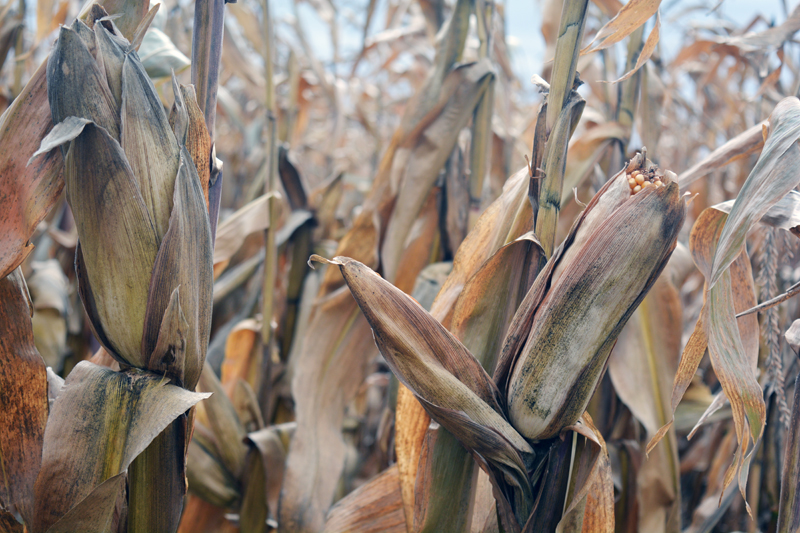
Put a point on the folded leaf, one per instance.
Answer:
(117, 237)
(76, 87)
(183, 260)
(148, 142)
(114, 414)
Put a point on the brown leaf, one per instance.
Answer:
(375, 507)
(416, 165)
(148, 142)
(745, 143)
(190, 128)
(114, 414)
(29, 191)
(95, 513)
(232, 231)
(118, 243)
(23, 398)
(630, 17)
(76, 87)
(183, 260)
(592, 473)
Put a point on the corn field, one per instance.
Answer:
(369, 266)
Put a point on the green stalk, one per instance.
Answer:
(570, 35)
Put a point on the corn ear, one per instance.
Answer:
(444, 376)
(585, 295)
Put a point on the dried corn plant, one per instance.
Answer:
(560, 300)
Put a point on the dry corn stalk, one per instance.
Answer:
(144, 257)
(558, 344)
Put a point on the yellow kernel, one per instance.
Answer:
(646, 184)
(637, 189)
(639, 179)
(659, 183)
(632, 182)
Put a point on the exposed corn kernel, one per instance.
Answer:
(637, 189)
(632, 182)
(639, 178)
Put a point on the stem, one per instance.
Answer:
(561, 118)
(209, 17)
(271, 259)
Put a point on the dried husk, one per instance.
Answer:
(582, 299)
(443, 375)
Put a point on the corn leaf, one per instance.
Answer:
(183, 260)
(95, 513)
(376, 507)
(630, 17)
(23, 398)
(769, 181)
(119, 415)
(76, 87)
(148, 142)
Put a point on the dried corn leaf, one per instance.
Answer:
(630, 17)
(29, 190)
(118, 240)
(149, 143)
(96, 512)
(207, 477)
(183, 260)
(49, 290)
(110, 54)
(445, 377)
(160, 56)
(228, 430)
(23, 398)
(649, 47)
(480, 319)
(648, 352)
(77, 87)
(732, 343)
(242, 358)
(504, 220)
(272, 444)
(200, 516)
(769, 181)
(376, 507)
(416, 166)
(232, 232)
(736, 148)
(189, 125)
(591, 506)
(118, 415)
(784, 214)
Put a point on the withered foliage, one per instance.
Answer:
(350, 267)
